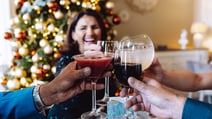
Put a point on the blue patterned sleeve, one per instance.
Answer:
(195, 109)
(63, 61)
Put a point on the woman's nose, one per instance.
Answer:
(90, 31)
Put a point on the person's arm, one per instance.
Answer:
(68, 83)
(18, 104)
(187, 81)
(181, 80)
(194, 109)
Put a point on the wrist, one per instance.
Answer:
(177, 110)
(39, 104)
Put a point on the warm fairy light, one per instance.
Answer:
(78, 3)
(26, 22)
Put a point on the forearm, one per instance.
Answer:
(182, 80)
(18, 104)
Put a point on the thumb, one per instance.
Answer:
(136, 84)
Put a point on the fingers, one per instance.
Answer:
(123, 92)
(88, 86)
(136, 102)
(138, 85)
(75, 74)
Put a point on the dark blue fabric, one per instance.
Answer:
(18, 105)
(194, 109)
(74, 107)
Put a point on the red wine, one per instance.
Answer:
(124, 71)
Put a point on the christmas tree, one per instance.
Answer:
(37, 33)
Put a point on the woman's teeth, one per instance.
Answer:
(89, 40)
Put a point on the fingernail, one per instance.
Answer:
(87, 71)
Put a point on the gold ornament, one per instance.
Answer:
(59, 38)
(73, 1)
(20, 73)
(16, 20)
(39, 26)
(110, 5)
(35, 58)
(46, 67)
(57, 55)
(23, 51)
(14, 45)
(33, 69)
(48, 49)
(23, 81)
(43, 43)
(26, 17)
(13, 84)
(53, 69)
(34, 76)
(51, 28)
(58, 14)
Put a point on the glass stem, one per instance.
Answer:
(128, 113)
(107, 87)
(93, 95)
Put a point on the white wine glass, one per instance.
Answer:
(107, 47)
(147, 49)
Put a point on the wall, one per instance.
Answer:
(163, 24)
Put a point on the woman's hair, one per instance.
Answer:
(72, 45)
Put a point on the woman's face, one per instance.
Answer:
(87, 32)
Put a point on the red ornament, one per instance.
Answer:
(116, 20)
(107, 26)
(40, 72)
(21, 36)
(16, 55)
(53, 5)
(110, 12)
(7, 35)
(20, 2)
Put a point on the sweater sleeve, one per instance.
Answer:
(18, 105)
(194, 109)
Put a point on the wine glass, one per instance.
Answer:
(107, 47)
(98, 63)
(133, 55)
(147, 49)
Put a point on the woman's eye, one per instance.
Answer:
(95, 27)
(83, 28)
